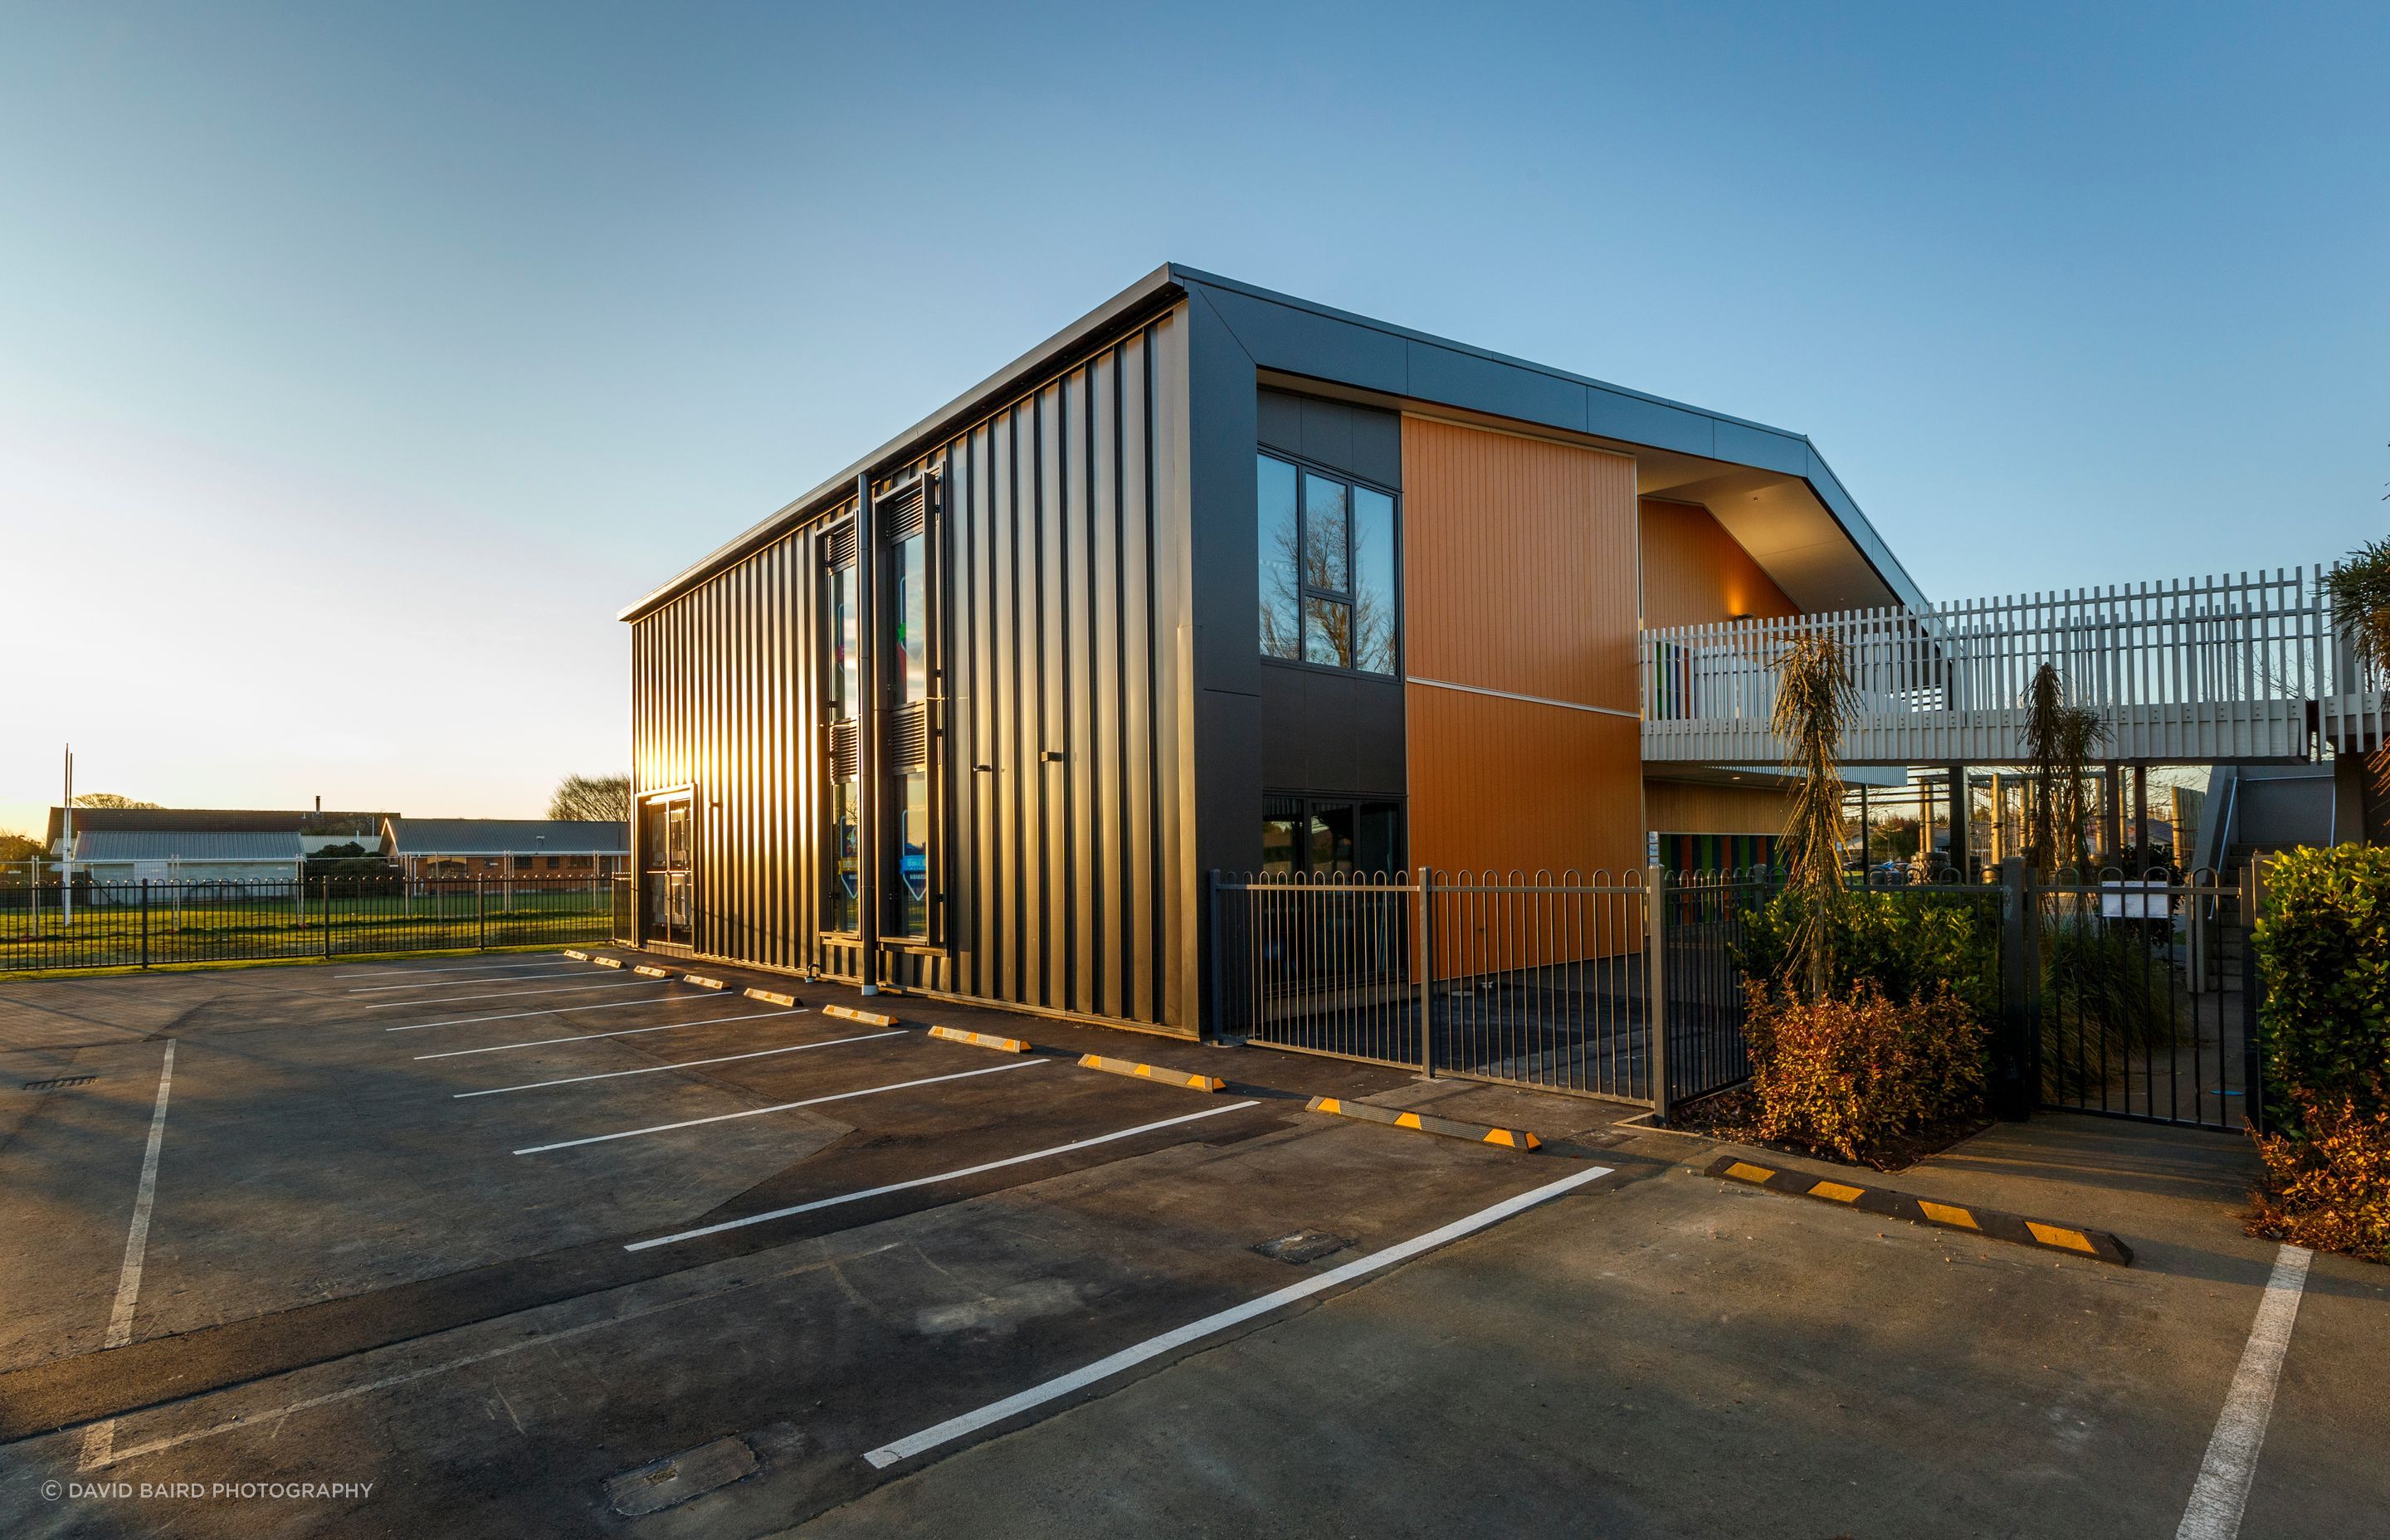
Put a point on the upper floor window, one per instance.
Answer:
(909, 617)
(846, 656)
(1327, 558)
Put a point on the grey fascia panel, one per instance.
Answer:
(1296, 339)
(1144, 296)
(1460, 379)
(1763, 448)
(1631, 419)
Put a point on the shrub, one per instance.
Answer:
(2331, 1189)
(1906, 945)
(2324, 947)
(1852, 1075)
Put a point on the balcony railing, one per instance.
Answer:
(2193, 670)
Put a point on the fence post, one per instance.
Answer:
(144, 922)
(1655, 986)
(1211, 1027)
(2013, 1096)
(2252, 1057)
(1423, 965)
(481, 918)
(324, 908)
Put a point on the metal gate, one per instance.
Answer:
(2147, 1000)
(1528, 981)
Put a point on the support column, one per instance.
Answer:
(2141, 820)
(866, 737)
(1999, 819)
(2111, 819)
(1867, 851)
(1959, 834)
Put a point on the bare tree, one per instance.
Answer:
(594, 797)
(111, 799)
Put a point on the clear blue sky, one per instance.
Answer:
(357, 363)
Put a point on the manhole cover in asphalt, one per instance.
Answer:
(677, 1478)
(1303, 1246)
(61, 1084)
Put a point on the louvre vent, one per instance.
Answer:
(908, 738)
(903, 514)
(843, 745)
(841, 545)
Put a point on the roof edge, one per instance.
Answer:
(1131, 304)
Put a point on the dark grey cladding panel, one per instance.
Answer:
(1326, 731)
(1489, 385)
(1745, 444)
(1639, 419)
(1360, 441)
(1303, 341)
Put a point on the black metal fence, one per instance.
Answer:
(150, 924)
(2148, 1000)
(2129, 998)
(1531, 980)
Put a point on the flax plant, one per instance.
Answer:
(2359, 589)
(2059, 741)
(1813, 705)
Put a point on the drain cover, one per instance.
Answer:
(62, 1082)
(1303, 1246)
(663, 1483)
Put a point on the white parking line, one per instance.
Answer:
(526, 960)
(1195, 1331)
(520, 994)
(626, 1031)
(100, 1438)
(2221, 1494)
(554, 1011)
(544, 971)
(942, 1176)
(681, 1064)
(784, 1107)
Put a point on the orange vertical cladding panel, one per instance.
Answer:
(1695, 573)
(1519, 565)
(1519, 577)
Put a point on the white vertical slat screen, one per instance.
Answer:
(2191, 670)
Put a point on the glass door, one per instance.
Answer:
(667, 863)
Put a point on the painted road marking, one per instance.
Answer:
(396, 971)
(593, 1036)
(1195, 1331)
(782, 1107)
(2221, 1492)
(683, 1064)
(543, 971)
(942, 1176)
(519, 1015)
(101, 1437)
(519, 993)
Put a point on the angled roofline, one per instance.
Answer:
(1406, 363)
(1123, 312)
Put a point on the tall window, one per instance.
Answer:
(1327, 563)
(841, 906)
(908, 615)
(907, 909)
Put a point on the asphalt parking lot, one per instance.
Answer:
(517, 1245)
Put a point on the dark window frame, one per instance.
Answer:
(1304, 590)
(1307, 807)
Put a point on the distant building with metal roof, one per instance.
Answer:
(430, 847)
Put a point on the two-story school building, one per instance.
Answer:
(1213, 580)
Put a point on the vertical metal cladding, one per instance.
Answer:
(1057, 537)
